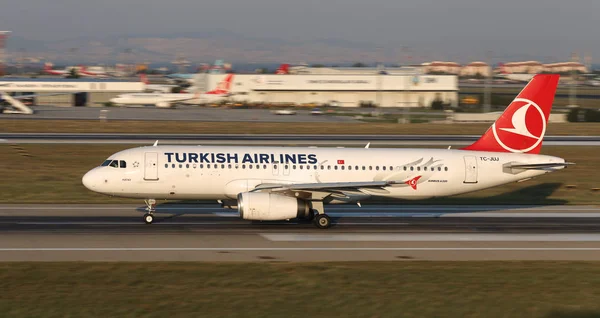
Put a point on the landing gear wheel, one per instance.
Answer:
(148, 218)
(322, 221)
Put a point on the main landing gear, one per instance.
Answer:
(150, 209)
(318, 216)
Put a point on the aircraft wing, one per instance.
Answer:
(335, 186)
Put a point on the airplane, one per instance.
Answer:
(155, 88)
(85, 72)
(520, 77)
(282, 183)
(168, 100)
(283, 69)
(49, 70)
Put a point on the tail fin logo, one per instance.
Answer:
(527, 121)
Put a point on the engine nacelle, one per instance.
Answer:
(164, 105)
(263, 206)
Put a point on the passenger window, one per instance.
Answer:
(208, 166)
(173, 166)
(377, 168)
(317, 167)
(418, 168)
(180, 165)
(445, 168)
(201, 166)
(229, 166)
(194, 166)
(349, 167)
(265, 167)
(335, 167)
(187, 165)
(294, 167)
(364, 168)
(243, 166)
(307, 167)
(343, 167)
(391, 168)
(355, 167)
(412, 168)
(404, 168)
(300, 167)
(166, 165)
(439, 168)
(383, 167)
(222, 166)
(322, 167)
(370, 167)
(274, 166)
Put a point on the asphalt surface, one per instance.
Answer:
(376, 232)
(238, 139)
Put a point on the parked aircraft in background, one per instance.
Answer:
(516, 77)
(169, 100)
(156, 88)
(281, 183)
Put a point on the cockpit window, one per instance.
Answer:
(105, 163)
(114, 163)
(122, 164)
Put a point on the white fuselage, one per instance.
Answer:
(214, 172)
(166, 100)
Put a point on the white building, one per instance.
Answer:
(86, 91)
(343, 90)
(476, 68)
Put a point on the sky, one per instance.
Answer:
(435, 28)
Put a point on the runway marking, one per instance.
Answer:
(287, 249)
(417, 237)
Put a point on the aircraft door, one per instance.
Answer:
(151, 166)
(470, 169)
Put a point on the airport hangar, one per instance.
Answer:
(346, 90)
(69, 92)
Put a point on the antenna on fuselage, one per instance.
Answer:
(155, 144)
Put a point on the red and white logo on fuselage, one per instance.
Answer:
(413, 182)
(522, 129)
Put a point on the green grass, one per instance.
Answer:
(169, 127)
(44, 173)
(392, 289)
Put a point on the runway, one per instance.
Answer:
(186, 232)
(298, 140)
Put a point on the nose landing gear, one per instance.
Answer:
(150, 209)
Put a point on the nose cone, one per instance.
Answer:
(90, 180)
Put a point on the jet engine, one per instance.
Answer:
(263, 206)
(164, 105)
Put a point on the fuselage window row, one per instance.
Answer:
(123, 164)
